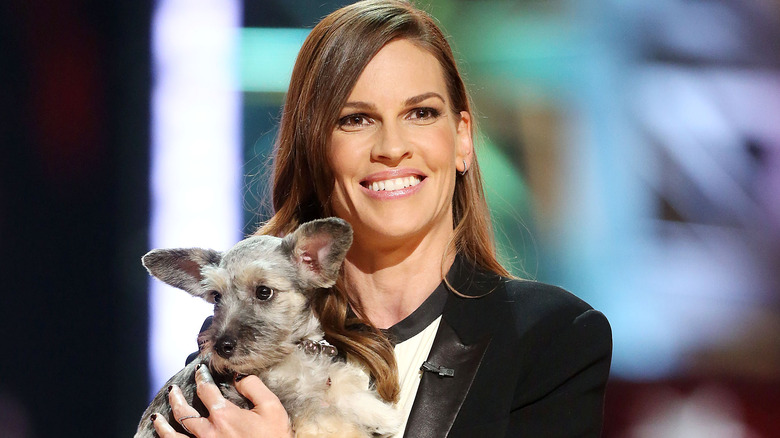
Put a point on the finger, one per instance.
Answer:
(255, 390)
(164, 430)
(208, 391)
(185, 414)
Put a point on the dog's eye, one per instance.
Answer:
(216, 296)
(263, 292)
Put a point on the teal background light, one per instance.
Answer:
(267, 56)
(510, 207)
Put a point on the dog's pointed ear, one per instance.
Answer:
(181, 267)
(318, 248)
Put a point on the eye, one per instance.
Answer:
(263, 292)
(354, 122)
(215, 296)
(424, 115)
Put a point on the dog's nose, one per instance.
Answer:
(225, 347)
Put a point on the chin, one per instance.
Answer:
(399, 227)
(399, 221)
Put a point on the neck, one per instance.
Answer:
(390, 283)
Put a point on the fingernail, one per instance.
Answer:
(203, 375)
(237, 377)
(153, 417)
(176, 396)
(169, 388)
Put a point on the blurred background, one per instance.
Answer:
(631, 152)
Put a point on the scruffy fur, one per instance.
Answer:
(254, 335)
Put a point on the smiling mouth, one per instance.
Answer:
(393, 183)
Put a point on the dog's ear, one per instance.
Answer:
(318, 248)
(181, 267)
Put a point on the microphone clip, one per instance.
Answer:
(440, 370)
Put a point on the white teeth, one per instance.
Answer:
(394, 184)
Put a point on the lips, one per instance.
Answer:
(392, 179)
(393, 183)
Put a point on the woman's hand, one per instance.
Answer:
(267, 419)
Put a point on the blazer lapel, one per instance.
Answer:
(459, 346)
(439, 397)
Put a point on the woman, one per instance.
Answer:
(377, 129)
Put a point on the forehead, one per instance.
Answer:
(255, 259)
(252, 248)
(399, 70)
(262, 252)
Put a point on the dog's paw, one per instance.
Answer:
(328, 426)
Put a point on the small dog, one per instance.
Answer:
(263, 324)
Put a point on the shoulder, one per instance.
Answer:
(544, 310)
(550, 312)
(486, 302)
(537, 298)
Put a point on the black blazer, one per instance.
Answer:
(529, 360)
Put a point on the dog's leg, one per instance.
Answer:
(350, 395)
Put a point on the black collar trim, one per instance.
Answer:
(465, 278)
(429, 310)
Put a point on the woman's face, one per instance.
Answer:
(396, 149)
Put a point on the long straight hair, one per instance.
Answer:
(327, 68)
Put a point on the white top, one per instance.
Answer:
(410, 355)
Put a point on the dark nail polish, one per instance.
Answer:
(170, 388)
(153, 417)
(198, 366)
(237, 377)
(203, 376)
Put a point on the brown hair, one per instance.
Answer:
(328, 65)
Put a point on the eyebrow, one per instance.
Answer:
(414, 100)
(417, 99)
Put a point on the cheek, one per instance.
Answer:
(340, 164)
(343, 158)
(441, 148)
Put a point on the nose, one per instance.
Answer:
(225, 347)
(390, 146)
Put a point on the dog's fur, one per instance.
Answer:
(251, 335)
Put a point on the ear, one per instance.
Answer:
(181, 268)
(317, 249)
(464, 152)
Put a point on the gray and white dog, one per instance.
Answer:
(263, 324)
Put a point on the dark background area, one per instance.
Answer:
(74, 130)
